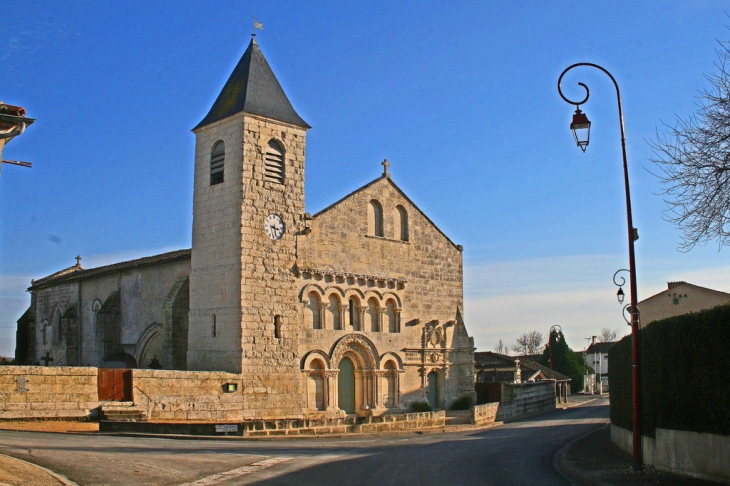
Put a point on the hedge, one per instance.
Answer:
(685, 376)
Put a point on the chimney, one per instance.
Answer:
(593, 339)
(671, 285)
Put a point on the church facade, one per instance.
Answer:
(355, 309)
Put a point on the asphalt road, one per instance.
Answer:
(519, 453)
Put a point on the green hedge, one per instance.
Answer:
(685, 374)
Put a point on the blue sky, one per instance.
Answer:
(459, 96)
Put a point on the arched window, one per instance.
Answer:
(333, 313)
(391, 388)
(274, 163)
(311, 313)
(354, 311)
(373, 314)
(375, 218)
(400, 223)
(217, 158)
(316, 385)
(391, 316)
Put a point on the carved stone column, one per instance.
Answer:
(361, 310)
(331, 404)
(398, 311)
(343, 316)
(380, 311)
(322, 315)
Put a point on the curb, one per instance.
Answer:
(63, 479)
(570, 472)
(432, 430)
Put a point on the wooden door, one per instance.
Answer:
(114, 385)
(346, 386)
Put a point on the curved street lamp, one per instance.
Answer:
(581, 127)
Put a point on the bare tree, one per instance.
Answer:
(528, 343)
(694, 158)
(608, 335)
(501, 348)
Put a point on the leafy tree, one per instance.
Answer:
(565, 360)
(694, 159)
(529, 343)
(501, 348)
(608, 335)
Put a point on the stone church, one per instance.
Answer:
(355, 309)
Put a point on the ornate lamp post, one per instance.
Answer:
(557, 330)
(581, 131)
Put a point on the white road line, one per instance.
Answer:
(233, 473)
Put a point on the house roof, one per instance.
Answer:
(679, 285)
(253, 88)
(487, 362)
(400, 191)
(77, 272)
(546, 372)
(599, 347)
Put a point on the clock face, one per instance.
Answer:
(274, 226)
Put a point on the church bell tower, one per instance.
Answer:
(248, 205)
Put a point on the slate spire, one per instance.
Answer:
(253, 88)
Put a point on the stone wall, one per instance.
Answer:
(689, 453)
(39, 392)
(190, 395)
(518, 400)
(302, 427)
(485, 413)
(525, 399)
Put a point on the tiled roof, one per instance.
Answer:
(253, 88)
(77, 273)
(599, 347)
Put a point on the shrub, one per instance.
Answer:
(685, 362)
(420, 407)
(463, 403)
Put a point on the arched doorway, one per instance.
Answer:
(346, 386)
(433, 391)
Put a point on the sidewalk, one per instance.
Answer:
(16, 472)
(594, 460)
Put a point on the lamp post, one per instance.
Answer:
(580, 127)
(553, 330)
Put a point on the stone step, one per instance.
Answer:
(124, 416)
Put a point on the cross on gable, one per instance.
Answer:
(78, 260)
(385, 164)
(47, 358)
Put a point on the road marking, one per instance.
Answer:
(233, 473)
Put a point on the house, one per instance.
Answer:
(492, 368)
(680, 298)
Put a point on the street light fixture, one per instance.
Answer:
(580, 123)
(581, 128)
(620, 295)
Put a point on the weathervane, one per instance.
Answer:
(256, 25)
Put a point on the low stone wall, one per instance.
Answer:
(519, 400)
(485, 413)
(53, 392)
(689, 453)
(348, 425)
(264, 428)
(189, 395)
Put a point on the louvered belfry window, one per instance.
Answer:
(217, 158)
(274, 163)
